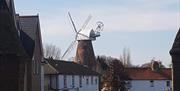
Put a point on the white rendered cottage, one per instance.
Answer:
(69, 76)
(146, 79)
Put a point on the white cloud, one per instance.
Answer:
(117, 15)
(119, 21)
(143, 22)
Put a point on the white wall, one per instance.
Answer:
(53, 82)
(84, 87)
(145, 85)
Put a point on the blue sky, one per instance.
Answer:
(147, 27)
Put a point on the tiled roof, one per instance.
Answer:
(148, 74)
(70, 68)
(29, 25)
(48, 69)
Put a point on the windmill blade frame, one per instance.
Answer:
(71, 46)
(100, 26)
(72, 22)
(83, 35)
(85, 23)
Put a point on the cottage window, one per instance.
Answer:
(96, 81)
(91, 79)
(167, 83)
(152, 83)
(87, 80)
(65, 90)
(53, 82)
(65, 81)
(80, 81)
(128, 85)
(73, 81)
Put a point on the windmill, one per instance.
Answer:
(83, 39)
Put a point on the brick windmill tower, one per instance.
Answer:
(175, 54)
(85, 52)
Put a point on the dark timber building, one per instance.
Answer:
(13, 58)
(20, 50)
(30, 27)
(175, 54)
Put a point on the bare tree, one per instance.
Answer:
(125, 58)
(52, 51)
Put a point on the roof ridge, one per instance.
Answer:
(147, 74)
(71, 68)
(27, 16)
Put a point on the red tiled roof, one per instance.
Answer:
(148, 74)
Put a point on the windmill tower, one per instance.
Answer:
(85, 52)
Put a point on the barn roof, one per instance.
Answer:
(29, 24)
(148, 74)
(70, 68)
(30, 32)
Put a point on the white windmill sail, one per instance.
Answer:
(83, 33)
